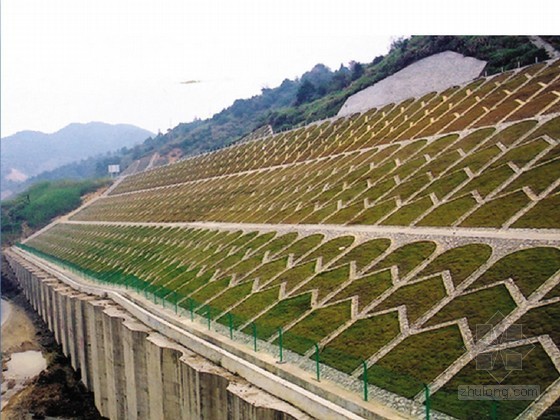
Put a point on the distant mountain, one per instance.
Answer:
(29, 153)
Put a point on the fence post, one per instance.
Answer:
(494, 412)
(317, 362)
(208, 315)
(191, 307)
(230, 324)
(175, 297)
(280, 344)
(427, 394)
(254, 336)
(365, 381)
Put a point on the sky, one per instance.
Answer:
(124, 61)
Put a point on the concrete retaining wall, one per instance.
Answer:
(133, 371)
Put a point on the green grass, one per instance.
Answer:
(249, 308)
(542, 320)
(537, 370)
(439, 144)
(543, 216)
(475, 161)
(316, 326)
(408, 213)
(295, 275)
(319, 215)
(538, 178)
(268, 270)
(365, 253)
(371, 215)
(498, 211)
(231, 296)
(461, 261)
(487, 182)
(407, 257)
(417, 360)
(327, 281)
(441, 163)
(366, 288)
(406, 189)
(448, 213)
(303, 246)
(345, 214)
(510, 135)
(329, 250)
(379, 189)
(478, 307)
(528, 268)
(550, 128)
(521, 155)
(469, 142)
(443, 186)
(281, 314)
(360, 341)
(418, 297)
(210, 290)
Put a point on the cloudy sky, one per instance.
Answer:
(123, 61)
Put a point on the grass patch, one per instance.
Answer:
(445, 185)
(365, 253)
(497, 212)
(417, 360)
(441, 163)
(320, 214)
(439, 144)
(408, 188)
(249, 308)
(542, 320)
(487, 182)
(280, 243)
(529, 268)
(231, 296)
(475, 161)
(327, 281)
(550, 128)
(448, 213)
(478, 307)
(281, 314)
(371, 215)
(510, 135)
(537, 370)
(521, 155)
(407, 257)
(316, 326)
(268, 270)
(408, 213)
(295, 275)
(331, 249)
(418, 297)
(469, 142)
(538, 178)
(360, 341)
(461, 261)
(210, 290)
(345, 214)
(366, 288)
(379, 189)
(543, 216)
(303, 246)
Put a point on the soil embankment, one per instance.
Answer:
(57, 390)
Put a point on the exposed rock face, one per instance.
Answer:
(434, 73)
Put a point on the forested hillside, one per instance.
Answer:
(317, 94)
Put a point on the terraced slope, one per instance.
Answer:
(419, 240)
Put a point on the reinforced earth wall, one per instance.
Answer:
(133, 371)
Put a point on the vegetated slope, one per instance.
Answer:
(443, 307)
(317, 94)
(39, 204)
(29, 153)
